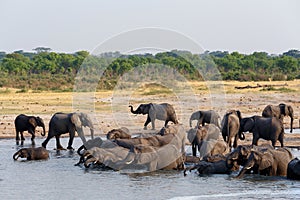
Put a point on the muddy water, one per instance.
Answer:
(58, 178)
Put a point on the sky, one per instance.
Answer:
(245, 26)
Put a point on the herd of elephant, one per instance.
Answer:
(166, 149)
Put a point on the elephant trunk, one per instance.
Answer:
(133, 111)
(16, 154)
(44, 131)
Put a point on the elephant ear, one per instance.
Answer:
(248, 124)
(266, 159)
(32, 121)
(76, 120)
(191, 135)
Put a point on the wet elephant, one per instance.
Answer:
(279, 111)
(268, 128)
(62, 123)
(230, 127)
(199, 136)
(39, 153)
(271, 162)
(122, 133)
(164, 112)
(28, 123)
(293, 170)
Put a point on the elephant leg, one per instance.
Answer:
(22, 136)
(32, 137)
(72, 134)
(153, 124)
(17, 138)
(194, 149)
(280, 138)
(235, 141)
(166, 123)
(255, 139)
(147, 122)
(58, 145)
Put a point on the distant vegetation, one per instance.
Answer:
(46, 70)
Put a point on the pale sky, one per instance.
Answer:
(71, 25)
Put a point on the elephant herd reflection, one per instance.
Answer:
(217, 143)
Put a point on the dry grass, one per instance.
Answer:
(107, 104)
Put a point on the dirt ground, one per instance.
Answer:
(109, 109)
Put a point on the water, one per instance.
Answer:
(58, 178)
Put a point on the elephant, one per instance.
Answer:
(122, 133)
(270, 162)
(174, 134)
(293, 169)
(268, 128)
(28, 123)
(39, 153)
(96, 142)
(230, 127)
(209, 117)
(62, 123)
(240, 155)
(152, 158)
(164, 112)
(215, 164)
(279, 112)
(199, 136)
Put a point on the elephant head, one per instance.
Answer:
(238, 156)
(82, 119)
(22, 153)
(247, 124)
(263, 159)
(37, 121)
(286, 110)
(142, 109)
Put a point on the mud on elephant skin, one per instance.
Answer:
(164, 112)
(39, 153)
(230, 127)
(62, 123)
(121, 133)
(205, 117)
(270, 162)
(28, 123)
(150, 158)
(203, 136)
(279, 111)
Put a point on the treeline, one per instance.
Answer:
(46, 70)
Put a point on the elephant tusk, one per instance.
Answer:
(129, 162)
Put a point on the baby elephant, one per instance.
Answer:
(38, 153)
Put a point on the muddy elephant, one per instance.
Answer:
(39, 153)
(269, 162)
(268, 128)
(164, 112)
(205, 117)
(240, 155)
(230, 128)
(293, 170)
(151, 158)
(199, 136)
(215, 164)
(28, 123)
(122, 133)
(62, 123)
(96, 142)
(279, 111)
